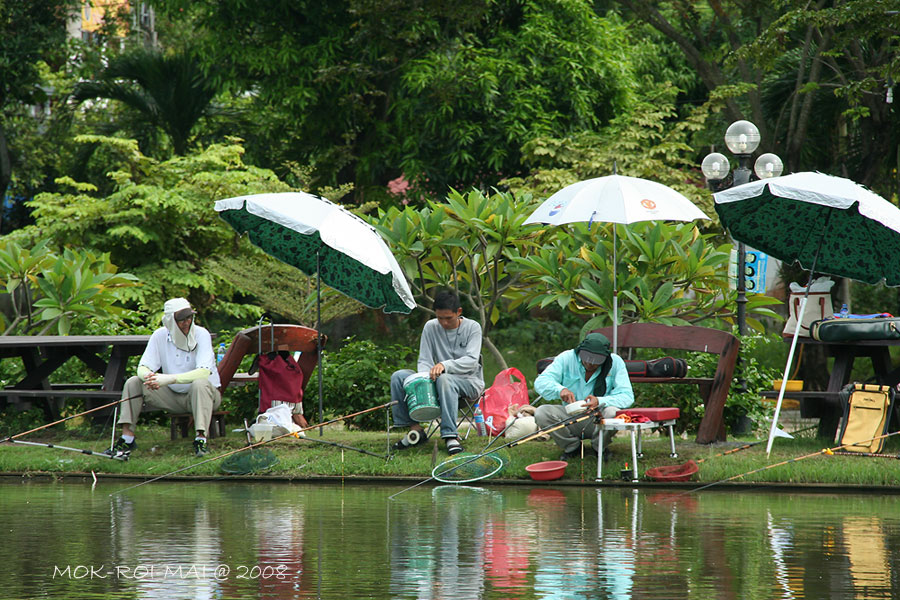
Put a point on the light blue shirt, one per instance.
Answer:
(566, 371)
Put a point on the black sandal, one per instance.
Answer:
(453, 446)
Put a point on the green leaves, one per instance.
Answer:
(666, 273)
(69, 288)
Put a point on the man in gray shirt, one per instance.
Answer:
(450, 353)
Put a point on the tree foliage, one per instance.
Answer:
(445, 92)
(45, 289)
(158, 222)
(648, 140)
(466, 243)
(813, 76)
(168, 90)
(31, 32)
(665, 273)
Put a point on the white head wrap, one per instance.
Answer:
(182, 342)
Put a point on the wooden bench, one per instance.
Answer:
(278, 337)
(713, 390)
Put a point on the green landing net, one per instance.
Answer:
(466, 468)
(250, 461)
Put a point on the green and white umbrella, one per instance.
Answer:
(319, 237)
(827, 224)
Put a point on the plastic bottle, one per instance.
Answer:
(220, 353)
(479, 421)
(844, 312)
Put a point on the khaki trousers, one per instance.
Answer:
(569, 437)
(201, 400)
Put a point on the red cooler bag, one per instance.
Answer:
(497, 398)
(280, 378)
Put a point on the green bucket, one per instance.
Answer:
(421, 397)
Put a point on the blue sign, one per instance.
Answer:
(755, 265)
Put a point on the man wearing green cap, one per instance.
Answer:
(589, 372)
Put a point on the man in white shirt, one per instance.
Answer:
(177, 373)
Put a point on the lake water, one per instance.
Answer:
(284, 541)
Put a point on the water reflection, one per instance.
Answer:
(235, 540)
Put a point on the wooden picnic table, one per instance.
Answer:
(42, 355)
(825, 404)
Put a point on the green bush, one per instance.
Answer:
(357, 376)
(242, 403)
(13, 422)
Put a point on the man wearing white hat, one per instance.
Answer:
(177, 373)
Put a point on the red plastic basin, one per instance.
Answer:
(547, 470)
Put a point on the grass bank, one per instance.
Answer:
(157, 455)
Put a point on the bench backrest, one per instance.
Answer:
(673, 337)
(291, 338)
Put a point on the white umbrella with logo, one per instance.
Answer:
(615, 199)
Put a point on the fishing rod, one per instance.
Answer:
(564, 423)
(872, 454)
(257, 445)
(826, 451)
(24, 433)
(89, 452)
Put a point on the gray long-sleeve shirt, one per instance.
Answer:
(459, 350)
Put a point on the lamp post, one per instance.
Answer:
(742, 140)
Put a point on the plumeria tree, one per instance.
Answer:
(48, 290)
(467, 243)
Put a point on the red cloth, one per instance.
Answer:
(652, 413)
(280, 378)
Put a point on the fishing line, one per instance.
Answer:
(24, 433)
(256, 445)
(344, 446)
(826, 451)
(565, 422)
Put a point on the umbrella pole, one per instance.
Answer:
(790, 358)
(319, 334)
(615, 296)
(787, 369)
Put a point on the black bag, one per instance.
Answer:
(658, 367)
(844, 330)
(867, 416)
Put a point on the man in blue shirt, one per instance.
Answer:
(588, 372)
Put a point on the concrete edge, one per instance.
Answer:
(684, 487)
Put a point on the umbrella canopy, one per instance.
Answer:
(828, 224)
(318, 236)
(615, 199)
(813, 218)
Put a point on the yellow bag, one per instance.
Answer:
(867, 415)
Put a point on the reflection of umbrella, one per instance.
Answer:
(832, 224)
(318, 236)
(615, 199)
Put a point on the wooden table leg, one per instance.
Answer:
(840, 374)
